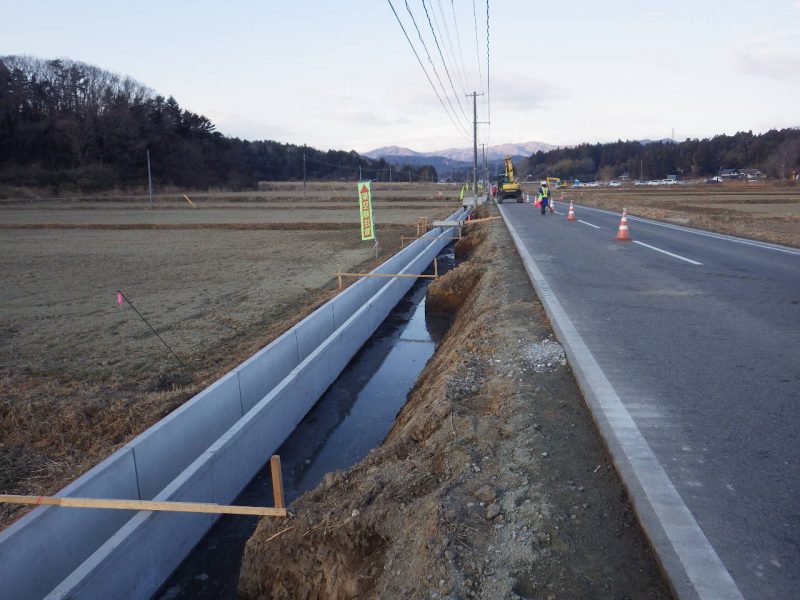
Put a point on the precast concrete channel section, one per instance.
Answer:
(685, 345)
(207, 450)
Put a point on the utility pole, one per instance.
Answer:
(149, 179)
(304, 176)
(474, 142)
(390, 173)
(783, 168)
(359, 172)
(409, 174)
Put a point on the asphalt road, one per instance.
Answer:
(699, 336)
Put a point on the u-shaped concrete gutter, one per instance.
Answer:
(207, 450)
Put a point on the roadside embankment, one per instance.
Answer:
(493, 482)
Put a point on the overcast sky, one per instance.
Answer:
(340, 74)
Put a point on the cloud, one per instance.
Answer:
(372, 119)
(777, 63)
(522, 93)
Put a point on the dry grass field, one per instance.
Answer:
(80, 375)
(761, 212)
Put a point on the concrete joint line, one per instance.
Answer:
(692, 566)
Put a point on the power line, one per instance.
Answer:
(438, 29)
(448, 38)
(458, 40)
(435, 71)
(477, 45)
(424, 70)
(484, 125)
(446, 70)
(488, 80)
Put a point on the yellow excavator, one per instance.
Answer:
(507, 184)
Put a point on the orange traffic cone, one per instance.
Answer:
(622, 234)
(571, 212)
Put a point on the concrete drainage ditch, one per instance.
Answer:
(206, 451)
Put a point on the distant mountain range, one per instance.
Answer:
(662, 140)
(493, 153)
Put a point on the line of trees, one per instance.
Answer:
(656, 160)
(67, 125)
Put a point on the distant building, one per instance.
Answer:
(624, 177)
(729, 173)
(751, 174)
(672, 178)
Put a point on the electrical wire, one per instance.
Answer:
(446, 70)
(451, 55)
(477, 45)
(424, 70)
(488, 81)
(458, 40)
(433, 66)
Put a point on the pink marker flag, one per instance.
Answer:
(119, 298)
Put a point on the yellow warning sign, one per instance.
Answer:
(365, 206)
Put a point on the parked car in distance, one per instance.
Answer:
(614, 184)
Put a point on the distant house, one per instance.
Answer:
(672, 178)
(729, 173)
(751, 174)
(624, 177)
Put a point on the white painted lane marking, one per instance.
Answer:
(716, 236)
(558, 213)
(688, 260)
(589, 224)
(666, 519)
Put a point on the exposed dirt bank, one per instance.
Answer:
(492, 484)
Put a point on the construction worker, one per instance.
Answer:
(544, 195)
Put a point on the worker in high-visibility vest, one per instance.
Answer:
(544, 195)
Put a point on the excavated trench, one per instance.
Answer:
(350, 419)
(492, 483)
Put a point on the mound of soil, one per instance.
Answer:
(448, 293)
(491, 484)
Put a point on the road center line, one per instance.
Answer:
(710, 234)
(589, 224)
(688, 260)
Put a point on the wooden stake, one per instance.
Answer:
(339, 275)
(277, 480)
(436, 268)
(154, 505)
(192, 204)
(483, 220)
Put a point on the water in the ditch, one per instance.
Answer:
(351, 418)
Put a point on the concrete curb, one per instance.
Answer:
(692, 567)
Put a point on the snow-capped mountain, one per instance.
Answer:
(465, 154)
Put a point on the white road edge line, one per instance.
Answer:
(688, 260)
(692, 565)
(558, 213)
(589, 224)
(718, 236)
